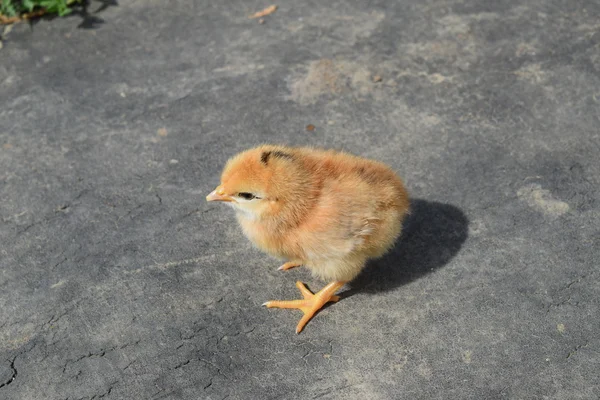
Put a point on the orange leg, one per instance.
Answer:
(311, 303)
(290, 265)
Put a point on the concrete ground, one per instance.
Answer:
(118, 280)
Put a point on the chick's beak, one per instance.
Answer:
(218, 195)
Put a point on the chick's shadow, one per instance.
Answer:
(432, 234)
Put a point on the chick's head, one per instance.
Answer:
(261, 182)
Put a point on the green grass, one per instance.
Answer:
(14, 8)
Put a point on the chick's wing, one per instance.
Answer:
(342, 220)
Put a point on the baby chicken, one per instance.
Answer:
(327, 210)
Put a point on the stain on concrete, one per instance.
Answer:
(532, 73)
(327, 77)
(542, 200)
(466, 356)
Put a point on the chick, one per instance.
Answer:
(327, 210)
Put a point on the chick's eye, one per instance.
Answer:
(246, 195)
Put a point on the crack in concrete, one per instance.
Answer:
(101, 353)
(45, 326)
(53, 216)
(219, 372)
(568, 286)
(98, 354)
(128, 214)
(576, 349)
(13, 376)
(182, 364)
(334, 389)
(568, 300)
(103, 395)
(59, 263)
(562, 303)
(129, 365)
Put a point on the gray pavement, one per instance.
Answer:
(118, 281)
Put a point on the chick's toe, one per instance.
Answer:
(290, 265)
(311, 303)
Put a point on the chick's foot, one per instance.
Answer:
(290, 265)
(312, 302)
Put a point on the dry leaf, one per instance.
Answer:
(267, 11)
(310, 127)
(4, 20)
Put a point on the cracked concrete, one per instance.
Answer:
(118, 281)
(9, 374)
